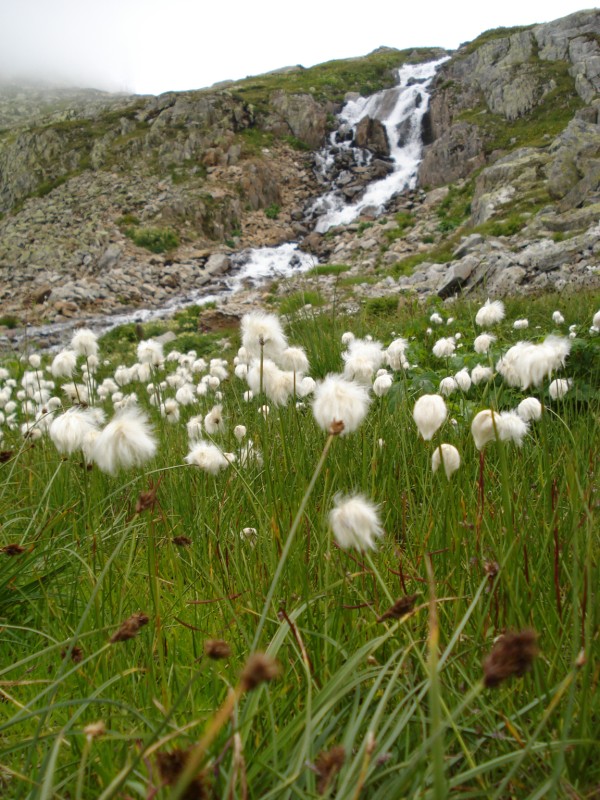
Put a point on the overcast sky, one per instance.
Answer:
(152, 46)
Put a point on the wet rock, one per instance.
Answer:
(372, 135)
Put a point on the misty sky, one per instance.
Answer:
(152, 46)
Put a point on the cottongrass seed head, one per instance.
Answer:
(355, 522)
(127, 441)
(447, 455)
(490, 313)
(429, 413)
(338, 400)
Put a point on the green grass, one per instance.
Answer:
(297, 300)
(156, 240)
(512, 542)
(330, 81)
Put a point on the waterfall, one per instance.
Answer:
(400, 110)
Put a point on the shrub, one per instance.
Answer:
(272, 211)
(157, 240)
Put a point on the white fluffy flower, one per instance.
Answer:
(249, 535)
(487, 426)
(490, 313)
(362, 359)
(185, 395)
(444, 348)
(449, 456)
(306, 386)
(127, 441)
(214, 421)
(85, 342)
(557, 318)
(239, 432)
(520, 324)
(447, 386)
(263, 330)
(355, 522)
(339, 400)
(463, 380)
(482, 342)
(435, 318)
(596, 321)
(208, 457)
(68, 430)
(396, 354)
(150, 352)
(194, 428)
(527, 364)
(429, 414)
(559, 387)
(170, 410)
(530, 409)
(348, 337)
(382, 384)
(294, 359)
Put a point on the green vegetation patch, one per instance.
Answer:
(328, 269)
(157, 240)
(332, 80)
(297, 300)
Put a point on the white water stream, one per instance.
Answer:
(401, 110)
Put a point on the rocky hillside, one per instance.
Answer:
(110, 202)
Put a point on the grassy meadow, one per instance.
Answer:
(351, 701)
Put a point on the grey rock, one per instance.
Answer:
(218, 264)
(457, 276)
(110, 258)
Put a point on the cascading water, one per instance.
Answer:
(401, 111)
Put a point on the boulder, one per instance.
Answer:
(109, 258)
(218, 264)
(371, 135)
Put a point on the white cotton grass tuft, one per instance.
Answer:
(68, 430)
(396, 354)
(557, 318)
(150, 352)
(64, 364)
(526, 364)
(339, 400)
(194, 428)
(429, 413)
(208, 457)
(214, 422)
(463, 380)
(490, 313)
(596, 322)
(489, 425)
(436, 318)
(481, 374)
(127, 441)
(444, 347)
(520, 324)
(294, 359)
(559, 387)
(355, 522)
(447, 455)
(447, 386)
(483, 342)
(239, 432)
(260, 330)
(85, 342)
(362, 360)
(530, 409)
(382, 384)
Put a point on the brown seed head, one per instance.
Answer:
(182, 541)
(13, 550)
(404, 605)
(76, 654)
(147, 500)
(130, 627)
(6, 455)
(171, 765)
(336, 427)
(259, 668)
(512, 654)
(216, 649)
(327, 766)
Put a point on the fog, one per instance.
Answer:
(151, 46)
